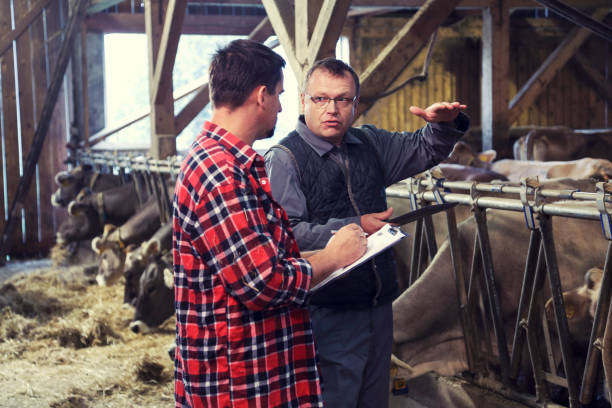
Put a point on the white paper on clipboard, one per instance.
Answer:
(382, 239)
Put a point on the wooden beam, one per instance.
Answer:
(282, 17)
(202, 97)
(600, 84)
(20, 25)
(549, 68)
(162, 79)
(41, 129)
(577, 17)
(327, 30)
(306, 13)
(99, 5)
(163, 135)
(495, 76)
(192, 24)
(402, 48)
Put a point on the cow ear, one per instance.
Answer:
(592, 277)
(96, 245)
(487, 156)
(168, 278)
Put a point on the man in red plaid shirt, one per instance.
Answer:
(243, 333)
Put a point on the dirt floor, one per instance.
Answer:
(65, 343)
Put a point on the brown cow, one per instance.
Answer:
(558, 143)
(137, 260)
(427, 328)
(112, 245)
(577, 169)
(81, 178)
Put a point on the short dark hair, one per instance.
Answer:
(238, 68)
(335, 67)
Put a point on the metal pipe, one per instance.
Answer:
(559, 308)
(493, 294)
(593, 358)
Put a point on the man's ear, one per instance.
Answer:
(261, 92)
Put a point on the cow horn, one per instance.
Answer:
(168, 278)
(96, 245)
(108, 229)
(395, 360)
(151, 247)
(74, 208)
(61, 176)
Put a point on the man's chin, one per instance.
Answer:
(269, 134)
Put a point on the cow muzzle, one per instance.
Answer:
(138, 326)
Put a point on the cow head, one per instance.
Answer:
(70, 183)
(136, 261)
(111, 250)
(580, 304)
(463, 154)
(82, 223)
(155, 301)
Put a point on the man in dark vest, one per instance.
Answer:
(327, 174)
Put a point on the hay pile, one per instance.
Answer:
(65, 343)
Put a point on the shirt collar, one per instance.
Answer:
(321, 146)
(244, 153)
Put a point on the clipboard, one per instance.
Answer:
(382, 239)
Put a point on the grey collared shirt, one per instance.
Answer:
(403, 154)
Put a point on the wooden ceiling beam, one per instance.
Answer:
(7, 39)
(327, 29)
(401, 50)
(192, 24)
(599, 82)
(166, 56)
(549, 68)
(282, 17)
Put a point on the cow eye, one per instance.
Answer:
(151, 290)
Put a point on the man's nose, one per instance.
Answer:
(332, 106)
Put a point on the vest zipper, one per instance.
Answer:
(344, 165)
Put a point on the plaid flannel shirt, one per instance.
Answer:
(243, 335)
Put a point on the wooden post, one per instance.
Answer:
(28, 124)
(41, 129)
(162, 42)
(495, 77)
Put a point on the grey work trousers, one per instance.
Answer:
(354, 348)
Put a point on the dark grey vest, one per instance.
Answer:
(332, 191)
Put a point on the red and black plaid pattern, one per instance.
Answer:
(243, 335)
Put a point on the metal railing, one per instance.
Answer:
(478, 294)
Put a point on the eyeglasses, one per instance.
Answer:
(323, 101)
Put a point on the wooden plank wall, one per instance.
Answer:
(23, 95)
(455, 73)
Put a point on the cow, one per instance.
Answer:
(427, 331)
(80, 179)
(113, 244)
(587, 167)
(558, 143)
(88, 215)
(155, 301)
(580, 304)
(136, 260)
(463, 154)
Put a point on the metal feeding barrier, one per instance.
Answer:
(150, 176)
(489, 360)
(493, 361)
